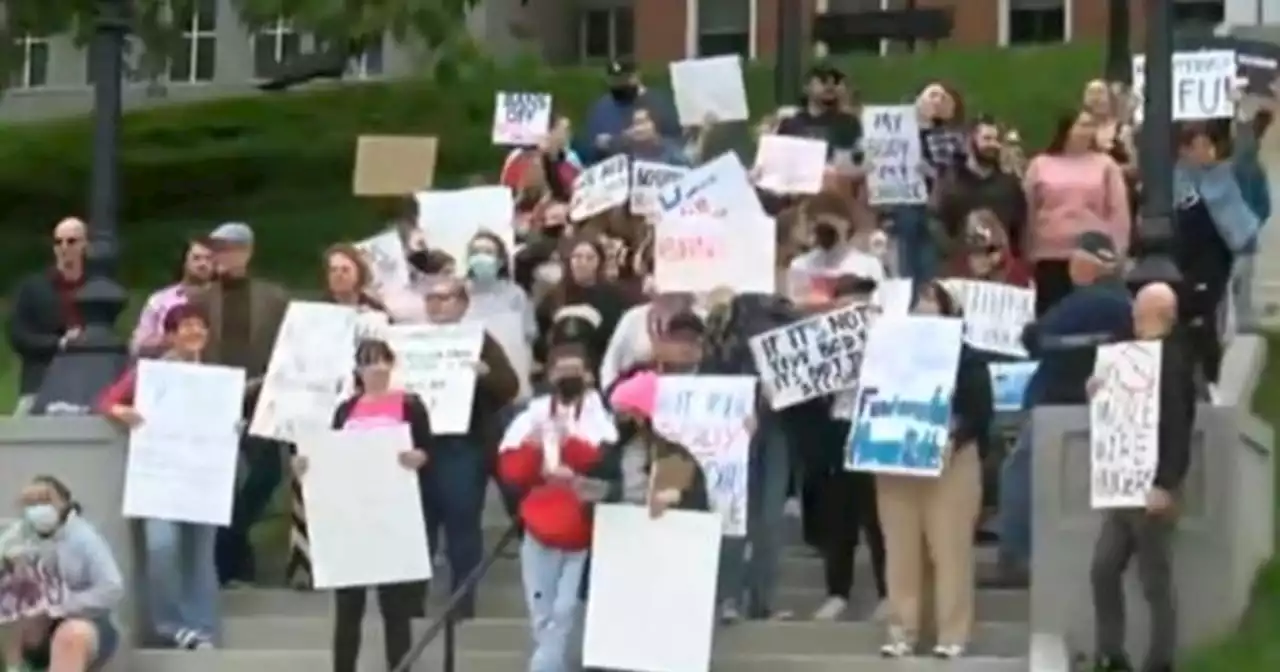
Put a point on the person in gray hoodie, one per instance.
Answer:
(76, 585)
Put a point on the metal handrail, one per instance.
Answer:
(447, 622)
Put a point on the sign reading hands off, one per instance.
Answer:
(521, 118)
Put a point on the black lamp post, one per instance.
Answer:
(1155, 237)
(789, 52)
(90, 363)
(1119, 59)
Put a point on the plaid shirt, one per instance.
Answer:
(944, 147)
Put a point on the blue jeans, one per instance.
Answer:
(1015, 498)
(182, 579)
(453, 499)
(917, 254)
(768, 475)
(551, 580)
(264, 463)
(1242, 293)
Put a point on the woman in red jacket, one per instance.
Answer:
(548, 452)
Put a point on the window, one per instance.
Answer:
(193, 60)
(1205, 14)
(32, 68)
(1037, 21)
(724, 27)
(606, 34)
(369, 63)
(855, 44)
(273, 45)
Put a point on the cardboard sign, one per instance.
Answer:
(393, 165)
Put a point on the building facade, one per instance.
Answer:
(222, 57)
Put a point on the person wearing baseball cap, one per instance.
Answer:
(613, 114)
(821, 116)
(244, 316)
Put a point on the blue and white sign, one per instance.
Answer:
(1009, 384)
(521, 118)
(720, 188)
(709, 416)
(902, 421)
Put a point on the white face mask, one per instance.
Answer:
(549, 273)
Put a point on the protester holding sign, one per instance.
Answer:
(76, 629)
(938, 515)
(376, 404)
(642, 141)
(823, 116)
(654, 470)
(612, 114)
(194, 276)
(552, 453)
(1071, 188)
(1146, 532)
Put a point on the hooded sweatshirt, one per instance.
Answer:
(90, 575)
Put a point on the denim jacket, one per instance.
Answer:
(1217, 186)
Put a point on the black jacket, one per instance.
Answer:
(972, 404)
(960, 192)
(1177, 412)
(36, 323)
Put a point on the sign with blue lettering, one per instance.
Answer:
(1009, 384)
(902, 419)
(719, 188)
(521, 118)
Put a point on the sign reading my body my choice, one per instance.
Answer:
(813, 357)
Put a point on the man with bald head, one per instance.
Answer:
(1147, 532)
(44, 316)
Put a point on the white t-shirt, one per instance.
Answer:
(820, 263)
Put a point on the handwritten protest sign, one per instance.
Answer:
(647, 179)
(31, 585)
(182, 465)
(701, 254)
(812, 357)
(709, 89)
(309, 365)
(719, 188)
(994, 314)
(631, 623)
(709, 415)
(790, 165)
(450, 219)
(1124, 418)
(893, 155)
(902, 423)
(384, 253)
(600, 187)
(438, 363)
(521, 118)
(350, 474)
(1009, 384)
(1203, 83)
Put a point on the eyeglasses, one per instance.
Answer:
(67, 242)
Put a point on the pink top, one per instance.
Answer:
(1068, 195)
(150, 329)
(379, 411)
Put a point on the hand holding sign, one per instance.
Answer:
(521, 118)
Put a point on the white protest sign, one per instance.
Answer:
(1124, 419)
(894, 296)
(719, 188)
(182, 459)
(438, 363)
(521, 118)
(364, 509)
(709, 415)
(812, 357)
(1202, 85)
(994, 314)
(891, 143)
(790, 165)
(450, 219)
(631, 624)
(385, 255)
(600, 187)
(647, 179)
(312, 360)
(902, 418)
(709, 89)
(701, 254)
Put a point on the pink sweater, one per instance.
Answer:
(1068, 195)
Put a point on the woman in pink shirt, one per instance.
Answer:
(1071, 188)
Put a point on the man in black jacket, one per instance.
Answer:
(979, 183)
(822, 118)
(1148, 532)
(44, 315)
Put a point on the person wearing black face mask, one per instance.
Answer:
(810, 275)
(821, 116)
(612, 114)
(979, 183)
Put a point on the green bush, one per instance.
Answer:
(292, 153)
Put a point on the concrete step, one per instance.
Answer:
(512, 636)
(316, 661)
(997, 605)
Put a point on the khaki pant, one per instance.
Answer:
(936, 515)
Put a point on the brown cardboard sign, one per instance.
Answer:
(394, 165)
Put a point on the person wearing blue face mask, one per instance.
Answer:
(67, 625)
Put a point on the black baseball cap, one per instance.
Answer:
(687, 324)
(620, 67)
(1098, 245)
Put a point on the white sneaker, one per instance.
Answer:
(948, 651)
(881, 612)
(729, 613)
(831, 610)
(896, 647)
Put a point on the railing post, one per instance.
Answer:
(450, 644)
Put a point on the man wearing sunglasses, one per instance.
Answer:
(45, 317)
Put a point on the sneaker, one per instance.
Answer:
(831, 610)
(188, 639)
(896, 647)
(729, 613)
(948, 651)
